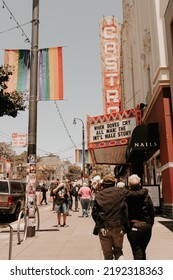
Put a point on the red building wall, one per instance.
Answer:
(161, 113)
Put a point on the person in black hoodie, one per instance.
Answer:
(111, 220)
(44, 198)
(141, 219)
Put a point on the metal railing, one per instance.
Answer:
(24, 217)
(10, 239)
(21, 218)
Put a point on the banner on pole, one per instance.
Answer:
(19, 60)
(50, 74)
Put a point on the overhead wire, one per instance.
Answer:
(15, 27)
(59, 112)
(5, 135)
(27, 40)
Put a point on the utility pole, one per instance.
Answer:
(32, 125)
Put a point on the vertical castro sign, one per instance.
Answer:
(110, 60)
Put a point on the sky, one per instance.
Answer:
(73, 24)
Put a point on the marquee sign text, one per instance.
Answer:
(112, 130)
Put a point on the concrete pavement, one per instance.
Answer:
(76, 242)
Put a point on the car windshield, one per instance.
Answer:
(3, 187)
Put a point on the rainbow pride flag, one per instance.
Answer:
(19, 60)
(50, 74)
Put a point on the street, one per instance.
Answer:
(76, 242)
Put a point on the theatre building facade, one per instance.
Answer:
(147, 73)
(136, 128)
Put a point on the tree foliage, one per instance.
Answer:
(74, 172)
(6, 151)
(10, 102)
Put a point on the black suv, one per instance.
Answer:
(12, 197)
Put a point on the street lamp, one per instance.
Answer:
(83, 144)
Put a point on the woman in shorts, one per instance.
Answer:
(61, 204)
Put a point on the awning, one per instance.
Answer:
(112, 155)
(143, 143)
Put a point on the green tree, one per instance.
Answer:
(73, 172)
(6, 151)
(10, 102)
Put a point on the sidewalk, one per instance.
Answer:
(77, 242)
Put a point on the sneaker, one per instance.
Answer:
(58, 226)
(65, 225)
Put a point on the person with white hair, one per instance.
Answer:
(133, 180)
(141, 218)
(120, 184)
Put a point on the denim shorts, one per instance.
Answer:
(61, 208)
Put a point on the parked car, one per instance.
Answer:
(12, 197)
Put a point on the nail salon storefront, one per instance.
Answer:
(150, 149)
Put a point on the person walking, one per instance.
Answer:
(141, 218)
(75, 190)
(44, 191)
(61, 204)
(53, 185)
(68, 198)
(111, 218)
(85, 199)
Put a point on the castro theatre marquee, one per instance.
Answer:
(109, 135)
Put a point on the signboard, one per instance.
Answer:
(19, 140)
(8, 166)
(110, 59)
(112, 130)
(154, 192)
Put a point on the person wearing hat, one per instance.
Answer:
(111, 219)
(141, 218)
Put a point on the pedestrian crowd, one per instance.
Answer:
(116, 208)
